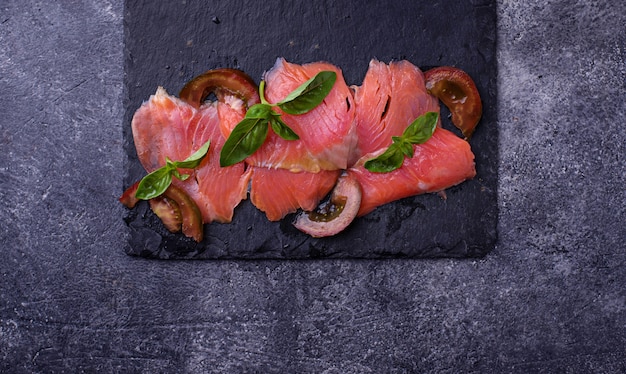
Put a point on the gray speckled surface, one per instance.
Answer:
(549, 298)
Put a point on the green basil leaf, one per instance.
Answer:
(182, 177)
(244, 140)
(310, 94)
(421, 129)
(169, 165)
(417, 132)
(263, 111)
(195, 159)
(177, 174)
(154, 184)
(281, 129)
(406, 148)
(390, 160)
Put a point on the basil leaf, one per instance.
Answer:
(154, 184)
(406, 148)
(417, 132)
(259, 111)
(281, 129)
(390, 160)
(310, 94)
(182, 177)
(169, 165)
(177, 174)
(244, 140)
(195, 159)
(421, 129)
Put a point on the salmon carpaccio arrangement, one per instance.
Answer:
(302, 142)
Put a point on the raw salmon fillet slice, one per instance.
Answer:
(278, 192)
(326, 132)
(389, 99)
(275, 191)
(165, 126)
(443, 161)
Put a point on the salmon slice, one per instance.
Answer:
(278, 192)
(165, 126)
(275, 190)
(221, 188)
(443, 161)
(390, 98)
(326, 132)
(162, 127)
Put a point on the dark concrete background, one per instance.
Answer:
(549, 298)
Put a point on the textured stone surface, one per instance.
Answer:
(549, 298)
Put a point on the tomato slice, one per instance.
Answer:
(128, 198)
(192, 218)
(176, 212)
(456, 89)
(220, 82)
(168, 211)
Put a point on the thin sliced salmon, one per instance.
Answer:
(165, 126)
(443, 161)
(278, 192)
(390, 98)
(326, 132)
(162, 127)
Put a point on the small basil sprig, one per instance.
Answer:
(250, 134)
(418, 132)
(155, 183)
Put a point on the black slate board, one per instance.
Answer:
(168, 43)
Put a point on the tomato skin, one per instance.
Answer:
(168, 211)
(192, 217)
(185, 208)
(456, 89)
(220, 82)
(128, 198)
